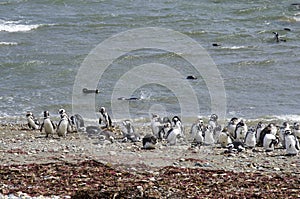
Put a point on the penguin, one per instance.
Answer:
(269, 142)
(71, 128)
(62, 126)
(260, 126)
(149, 141)
(32, 122)
(240, 131)
(285, 127)
(291, 143)
(225, 138)
(166, 126)
(270, 129)
(277, 37)
(213, 122)
(156, 125)
(197, 131)
(78, 122)
(129, 132)
(175, 132)
(296, 130)
(232, 125)
(250, 138)
(105, 118)
(235, 146)
(48, 125)
(209, 136)
(177, 122)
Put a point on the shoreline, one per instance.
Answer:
(20, 147)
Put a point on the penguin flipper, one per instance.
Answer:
(42, 127)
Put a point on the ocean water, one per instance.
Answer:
(44, 43)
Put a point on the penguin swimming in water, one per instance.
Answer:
(62, 126)
(105, 118)
(33, 123)
(250, 138)
(48, 125)
(291, 143)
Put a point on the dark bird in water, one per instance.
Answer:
(277, 38)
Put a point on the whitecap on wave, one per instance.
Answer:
(16, 26)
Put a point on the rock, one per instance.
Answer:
(112, 153)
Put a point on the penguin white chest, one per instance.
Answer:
(48, 126)
(291, 145)
(62, 127)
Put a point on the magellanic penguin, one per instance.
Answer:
(175, 132)
(105, 118)
(62, 126)
(156, 125)
(33, 123)
(282, 130)
(197, 132)
(296, 130)
(269, 142)
(213, 122)
(149, 141)
(129, 132)
(260, 126)
(232, 126)
(209, 136)
(71, 127)
(225, 138)
(48, 125)
(78, 122)
(240, 131)
(270, 129)
(291, 143)
(250, 138)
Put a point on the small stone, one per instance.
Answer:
(112, 153)
(276, 169)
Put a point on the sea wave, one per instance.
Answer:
(17, 26)
(3, 43)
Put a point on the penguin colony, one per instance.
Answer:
(234, 137)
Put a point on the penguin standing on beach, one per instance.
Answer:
(175, 132)
(296, 130)
(78, 122)
(240, 131)
(250, 138)
(270, 129)
(129, 132)
(232, 126)
(260, 126)
(225, 138)
(156, 125)
(291, 143)
(33, 123)
(105, 118)
(209, 136)
(48, 125)
(62, 126)
(213, 122)
(285, 127)
(197, 131)
(270, 141)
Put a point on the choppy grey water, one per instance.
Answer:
(43, 44)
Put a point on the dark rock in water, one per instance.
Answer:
(191, 77)
(287, 29)
(130, 99)
(149, 141)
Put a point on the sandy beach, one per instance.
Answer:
(22, 149)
